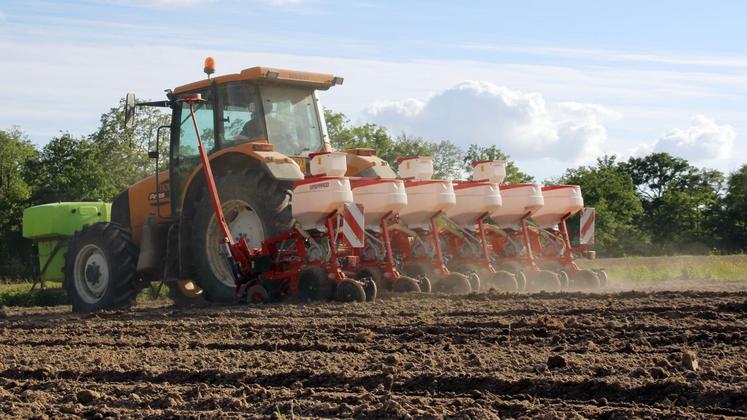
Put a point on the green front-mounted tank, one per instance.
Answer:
(52, 225)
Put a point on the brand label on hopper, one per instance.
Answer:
(320, 186)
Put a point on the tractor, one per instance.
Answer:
(258, 126)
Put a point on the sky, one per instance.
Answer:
(554, 84)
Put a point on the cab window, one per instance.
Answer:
(292, 119)
(205, 122)
(241, 113)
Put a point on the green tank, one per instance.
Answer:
(51, 225)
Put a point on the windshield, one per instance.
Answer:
(291, 117)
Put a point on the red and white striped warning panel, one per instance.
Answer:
(352, 225)
(586, 236)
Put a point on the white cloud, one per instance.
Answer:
(703, 140)
(522, 124)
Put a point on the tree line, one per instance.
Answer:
(652, 205)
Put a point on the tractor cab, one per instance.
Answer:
(259, 104)
(250, 110)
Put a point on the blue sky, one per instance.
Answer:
(553, 83)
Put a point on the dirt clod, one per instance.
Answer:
(658, 373)
(87, 396)
(393, 359)
(690, 360)
(556, 361)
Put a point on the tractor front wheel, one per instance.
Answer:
(100, 268)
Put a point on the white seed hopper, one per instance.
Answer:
(418, 168)
(489, 170)
(426, 199)
(519, 200)
(379, 197)
(328, 164)
(316, 198)
(474, 200)
(560, 201)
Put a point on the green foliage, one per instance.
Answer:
(69, 169)
(124, 152)
(16, 153)
(492, 152)
(678, 202)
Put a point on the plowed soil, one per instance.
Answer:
(612, 355)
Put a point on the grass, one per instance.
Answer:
(655, 269)
(21, 295)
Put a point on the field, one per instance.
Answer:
(615, 354)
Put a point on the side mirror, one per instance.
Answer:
(129, 111)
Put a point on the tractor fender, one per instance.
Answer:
(226, 161)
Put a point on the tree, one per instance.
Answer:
(611, 192)
(343, 135)
(123, 152)
(492, 152)
(16, 153)
(70, 169)
(679, 201)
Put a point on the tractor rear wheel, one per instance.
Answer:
(543, 280)
(349, 290)
(454, 283)
(256, 207)
(406, 284)
(101, 268)
(314, 284)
